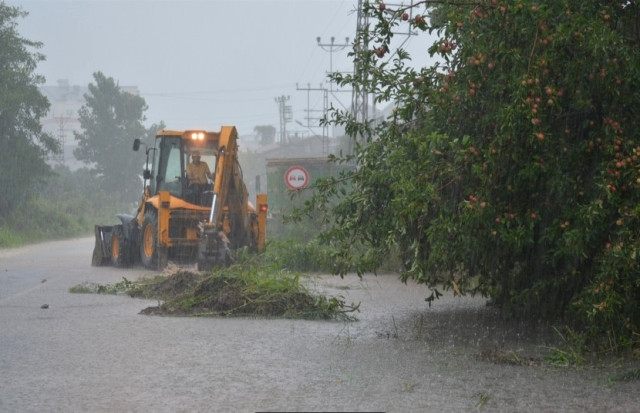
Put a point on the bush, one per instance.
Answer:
(70, 205)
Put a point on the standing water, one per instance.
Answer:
(87, 352)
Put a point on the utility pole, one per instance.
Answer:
(61, 137)
(332, 47)
(325, 109)
(360, 96)
(61, 128)
(285, 116)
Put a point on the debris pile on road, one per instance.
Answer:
(239, 290)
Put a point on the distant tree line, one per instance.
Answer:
(39, 201)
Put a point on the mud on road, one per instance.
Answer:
(96, 353)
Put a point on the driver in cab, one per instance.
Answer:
(197, 172)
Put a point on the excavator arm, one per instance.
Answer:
(230, 224)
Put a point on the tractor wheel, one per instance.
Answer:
(120, 248)
(152, 255)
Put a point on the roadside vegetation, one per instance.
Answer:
(69, 205)
(508, 168)
(40, 199)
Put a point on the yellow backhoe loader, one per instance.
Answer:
(177, 220)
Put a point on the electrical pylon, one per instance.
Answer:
(359, 96)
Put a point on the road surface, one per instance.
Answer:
(96, 353)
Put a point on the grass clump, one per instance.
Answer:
(572, 351)
(308, 256)
(631, 375)
(121, 287)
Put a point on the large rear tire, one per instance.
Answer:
(120, 247)
(152, 255)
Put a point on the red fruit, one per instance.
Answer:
(383, 6)
(405, 16)
(381, 51)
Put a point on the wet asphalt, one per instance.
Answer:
(63, 352)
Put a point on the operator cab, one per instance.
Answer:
(168, 166)
(199, 194)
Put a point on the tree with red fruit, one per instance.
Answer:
(553, 124)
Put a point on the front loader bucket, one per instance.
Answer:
(102, 248)
(213, 250)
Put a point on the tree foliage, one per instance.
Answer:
(110, 120)
(266, 133)
(508, 168)
(23, 145)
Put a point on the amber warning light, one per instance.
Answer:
(263, 208)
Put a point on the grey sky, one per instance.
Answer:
(198, 64)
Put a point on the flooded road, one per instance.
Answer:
(95, 353)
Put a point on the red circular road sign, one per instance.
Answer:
(296, 177)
